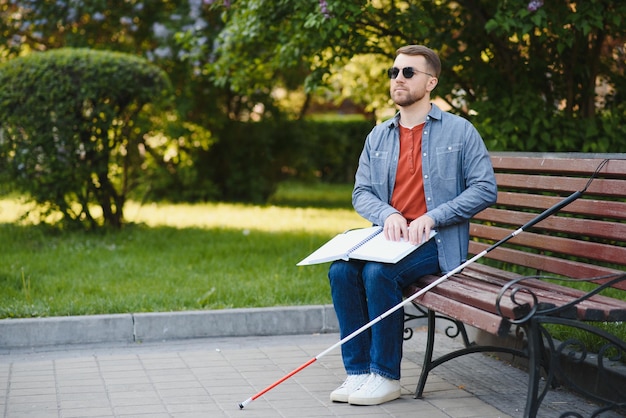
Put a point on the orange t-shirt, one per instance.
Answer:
(408, 192)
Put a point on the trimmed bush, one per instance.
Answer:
(71, 136)
(248, 160)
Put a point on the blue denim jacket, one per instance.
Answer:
(458, 179)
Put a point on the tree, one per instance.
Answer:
(156, 30)
(532, 76)
(169, 34)
(71, 130)
(566, 60)
(526, 73)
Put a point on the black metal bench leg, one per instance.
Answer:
(428, 355)
(535, 356)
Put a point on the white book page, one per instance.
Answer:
(339, 246)
(382, 250)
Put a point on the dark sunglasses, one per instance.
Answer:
(407, 72)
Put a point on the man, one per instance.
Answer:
(424, 169)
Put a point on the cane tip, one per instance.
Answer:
(241, 406)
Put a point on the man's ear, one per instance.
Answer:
(432, 83)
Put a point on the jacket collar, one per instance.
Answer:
(435, 113)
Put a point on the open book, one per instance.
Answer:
(364, 244)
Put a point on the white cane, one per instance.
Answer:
(408, 300)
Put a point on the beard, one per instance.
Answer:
(404, 98)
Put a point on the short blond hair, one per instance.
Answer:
(432, 59)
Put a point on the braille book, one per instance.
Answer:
(367, 244)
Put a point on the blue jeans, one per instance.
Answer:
(361, 292)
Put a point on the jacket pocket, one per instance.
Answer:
(379, 166)
(448, 161)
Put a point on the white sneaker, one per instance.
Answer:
(376, 390)
(352, 383)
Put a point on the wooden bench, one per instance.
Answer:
(506, 292)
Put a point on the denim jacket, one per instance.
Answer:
(458, 179)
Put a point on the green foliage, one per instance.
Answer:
(176, 35)
(170, 172)
(330, 149)
(565, 64)
(70, 128)
(250, 159)
(246, 161)
(543, 78)
(590, 341)
(291, 41)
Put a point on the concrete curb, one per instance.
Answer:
(139, 327)
(34, 332)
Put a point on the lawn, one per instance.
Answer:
(174, 257)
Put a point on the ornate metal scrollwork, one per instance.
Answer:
(563, 360)
(577, 352)
(512, 288)
(408, 331)
(453, 330)
(568, 357)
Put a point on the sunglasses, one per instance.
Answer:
(407, 72)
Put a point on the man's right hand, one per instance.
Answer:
(396, 228)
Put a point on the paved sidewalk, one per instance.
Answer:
(209, 377)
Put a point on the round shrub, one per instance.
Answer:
(70, 136)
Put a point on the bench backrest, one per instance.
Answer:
(586, 239)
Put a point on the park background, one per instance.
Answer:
(183, 154)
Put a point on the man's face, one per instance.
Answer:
(407, 91)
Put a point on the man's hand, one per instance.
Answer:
(419, 229)
(396, 228)
(417, 232)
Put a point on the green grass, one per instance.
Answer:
(176, 257)
(173, 258)
(319, 195)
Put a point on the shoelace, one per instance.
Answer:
(372, 382)
(351, 380)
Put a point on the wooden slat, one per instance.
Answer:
(582, 206)
(482, 295)
(584, 227)
(585, 249)
(546, 289)
(484, 272)
(493, 324)
(552, 164)
(547, 294)
(599, 187)
(543, 263)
